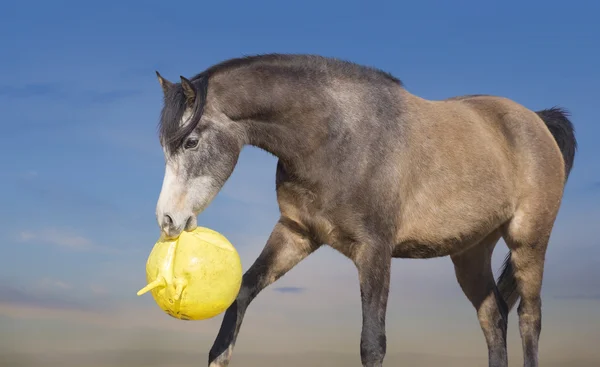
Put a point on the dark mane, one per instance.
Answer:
(336, 66)
(172, 135)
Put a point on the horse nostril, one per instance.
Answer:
(168, 221)
(190, 224)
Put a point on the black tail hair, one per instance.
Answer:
(557, 121)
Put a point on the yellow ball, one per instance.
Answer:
(195, 276)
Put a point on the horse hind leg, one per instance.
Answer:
(473, 270)
(527, 235)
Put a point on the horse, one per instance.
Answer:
(377, 173)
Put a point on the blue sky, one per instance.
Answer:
(82, 166)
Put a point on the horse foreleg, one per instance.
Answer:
(284, 249)
(374, 265)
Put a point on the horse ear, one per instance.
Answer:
(164, 83)
(188, 90)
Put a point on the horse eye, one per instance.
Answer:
(191, 143)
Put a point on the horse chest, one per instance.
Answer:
(306, 208)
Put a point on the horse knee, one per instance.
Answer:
(373, 347)
(530, 314)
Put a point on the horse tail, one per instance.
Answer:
(557, 121)
(561, 128)
(507, 284)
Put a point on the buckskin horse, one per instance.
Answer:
(377, 173)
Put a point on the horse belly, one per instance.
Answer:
(447, 228)
(427, 248)
(431, 243)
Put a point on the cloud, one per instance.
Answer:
(58, 238)
(50, 299)
(293, 290)
(98, 289)
(63, 239)
(47, 283)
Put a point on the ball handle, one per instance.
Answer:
(159, 282)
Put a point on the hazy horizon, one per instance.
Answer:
(83, 167)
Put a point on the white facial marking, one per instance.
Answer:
(166, 191)
(182, 195)
(180, 198)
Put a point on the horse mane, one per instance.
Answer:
(172, 135)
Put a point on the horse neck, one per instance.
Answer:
(278, 113)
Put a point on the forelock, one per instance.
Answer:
(171, 134)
